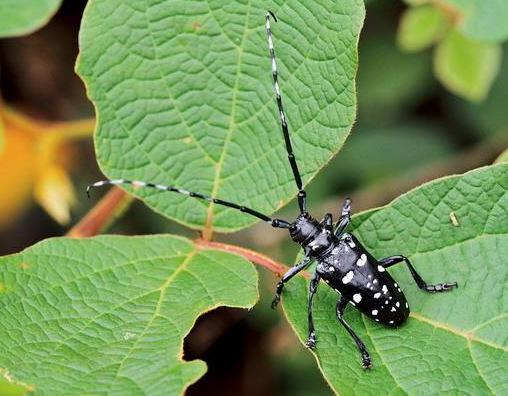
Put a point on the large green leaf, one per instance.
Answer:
(183, 95)
(453, 343)
(108, 315)
(18, 17)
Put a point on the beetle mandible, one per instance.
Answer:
(342, 262)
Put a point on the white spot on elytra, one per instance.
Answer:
(393, 309)
(377, 295)
(398, 288)
(374, 312)
(331, 269)
(395, 284)
(374, 281)
(380, 268)
(351, 244)
(386, 302)
(347, 278)
(357, 297)
(376, 319)
(368, 285)
(384, 289)
(362, 260)
(407, 306)
(397, 304)
(391, 322)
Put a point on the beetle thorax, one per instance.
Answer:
(305, 229)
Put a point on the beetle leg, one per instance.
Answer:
(341, 306)
(327, 222)
(313, 285)
(287, 276)
(439, 287)
(344, 219)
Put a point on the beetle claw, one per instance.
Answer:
(366, 362)
(311, 341)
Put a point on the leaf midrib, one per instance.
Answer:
(468, 335)
(232, 122)
(163, 288)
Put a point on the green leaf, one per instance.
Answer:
(453, 343)
(467, 67)
(109, 314)
(503, 157)
(10, 388)
(420, 27)
(184, 96)
(482, 20)
(19, 17)
(490, 116)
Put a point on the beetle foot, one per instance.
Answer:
(441, 287)
(275, 301)
(366, 361)
(311, 341)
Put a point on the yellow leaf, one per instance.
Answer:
(54, 192)
(17, 170)
(34, 161)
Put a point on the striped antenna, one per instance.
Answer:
(302, 196)
(277, 223)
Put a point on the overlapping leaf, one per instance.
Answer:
(108, 315)
(453, 229)
(482, 20)
(18, 17)
(184, 96)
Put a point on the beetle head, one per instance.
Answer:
(304, 228)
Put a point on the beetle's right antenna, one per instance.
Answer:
(277, 223)
(302, 196)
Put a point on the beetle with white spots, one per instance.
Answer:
(342, 261)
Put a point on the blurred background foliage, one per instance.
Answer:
(432, 85)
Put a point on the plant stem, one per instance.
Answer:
(74, 129)
(257, 258)
(102, 214)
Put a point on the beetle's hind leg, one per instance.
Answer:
(366, 360)
(311, 340)
(439, 287)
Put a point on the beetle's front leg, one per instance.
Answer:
(344, 218)
(327, 222)
(313, 285)
(287, 276)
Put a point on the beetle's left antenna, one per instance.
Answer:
(302, 196)
(277, 223)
